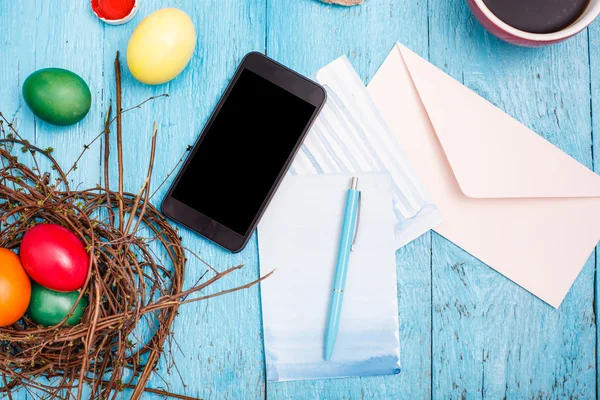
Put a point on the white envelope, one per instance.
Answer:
(507, 196)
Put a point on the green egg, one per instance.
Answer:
(48, 307)
(57, 96)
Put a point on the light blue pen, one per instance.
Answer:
(349, 229)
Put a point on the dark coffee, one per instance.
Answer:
(538, 16)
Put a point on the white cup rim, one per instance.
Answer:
(589, 15)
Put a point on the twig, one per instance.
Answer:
(106, 130)
(107, 161)
(189, 148)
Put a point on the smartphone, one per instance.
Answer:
(244, 151)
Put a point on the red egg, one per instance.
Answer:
(55, 258)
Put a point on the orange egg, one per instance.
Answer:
(15, 288)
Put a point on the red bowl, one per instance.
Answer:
(512, 35)
(112, 20)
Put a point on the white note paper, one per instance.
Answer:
(299, 238)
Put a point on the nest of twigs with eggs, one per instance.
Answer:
(135, 278)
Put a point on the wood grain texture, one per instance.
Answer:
(465, 331)
(594, 50)
(491, 338)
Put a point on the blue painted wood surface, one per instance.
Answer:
(465, 330)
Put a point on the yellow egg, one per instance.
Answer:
(161, 46)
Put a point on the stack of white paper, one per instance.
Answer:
(350, 135)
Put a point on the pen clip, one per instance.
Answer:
(357, 221)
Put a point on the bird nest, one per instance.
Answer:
(136, 275)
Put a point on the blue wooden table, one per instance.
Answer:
(465, 331)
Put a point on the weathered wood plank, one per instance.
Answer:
(306, 35)
(490, 337)
(17, 52)
(219, 352)
(594, 49)
(32, 40)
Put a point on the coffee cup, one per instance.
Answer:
(510, 34)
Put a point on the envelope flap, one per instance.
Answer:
(492, 155)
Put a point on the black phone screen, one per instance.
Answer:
(240, 156)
